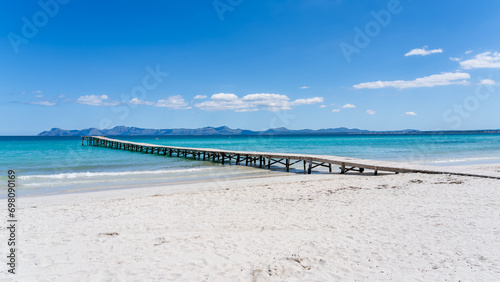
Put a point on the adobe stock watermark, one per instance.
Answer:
(31, 27)
(372, 29)
(470, 104)
(150, 81)
(223, 6)
(456, 114)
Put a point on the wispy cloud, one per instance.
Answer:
(95, 100)
(409, 114)
(335, 110)
(423, 51)
(487, 81)
(446, 78)
(200, 97)
(483, 60)
(253, 102)
(136, 101)
(370, 112)
(39, 96)
(468, 51)
(176, 102)
(348, 106)
(42, 103)
(304, 87)
(454, 59)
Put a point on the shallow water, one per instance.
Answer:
(57, 164)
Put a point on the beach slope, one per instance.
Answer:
(312, 227)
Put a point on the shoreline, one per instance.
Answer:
(274, 172)
(320, 227)
(192, 186)
(164, 186)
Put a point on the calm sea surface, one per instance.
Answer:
(61, 164)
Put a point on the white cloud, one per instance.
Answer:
(307, 101)
(37, 91)
(221, 105)
(323, 106)
(43, 103)
(224, 97)
(370, 112)
(267, 101)
(39, 96)
(246, 110)
(335, 110)
(304, 87)
(174, 102)
(423, 51)
(95, 100)
(348, 106)
(468, 52)
(483, 60)
(253, 102)
(446, 78)
(136, 101)
(200, 96)
(409, 114)
(487, 81)
(454, 59)
(62, 95)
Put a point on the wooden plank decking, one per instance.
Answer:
(266, 159)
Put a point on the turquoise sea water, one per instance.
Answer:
(57, 164)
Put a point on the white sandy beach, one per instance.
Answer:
(401, 227)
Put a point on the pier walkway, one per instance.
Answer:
(267, 160)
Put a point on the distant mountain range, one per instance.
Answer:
(223, 130)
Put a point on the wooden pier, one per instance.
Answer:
(268, 160)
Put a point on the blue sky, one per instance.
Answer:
(380, 65)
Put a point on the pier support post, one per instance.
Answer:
(269, 163)
(329, 168)
(310, 167)
(304, 166)
(287, 165)
(342, 168)
(260, 161)
(375, 172)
